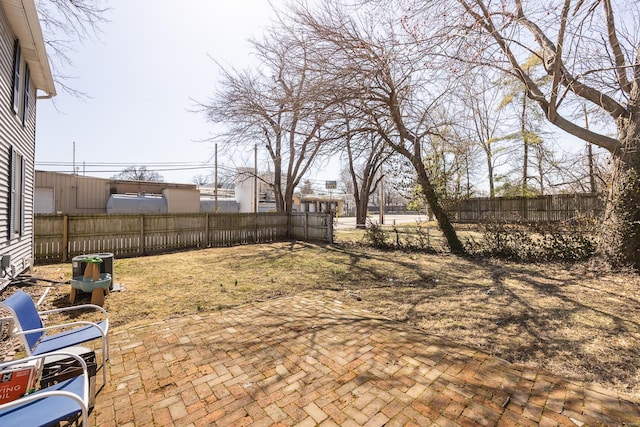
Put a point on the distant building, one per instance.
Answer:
(321, 203)
(60, 193)
(246, 195)
(222, 200)
(68, 194)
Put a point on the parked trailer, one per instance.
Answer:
(137, 203)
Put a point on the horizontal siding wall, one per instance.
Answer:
(7, 132)
(22, 139)
(61, 237)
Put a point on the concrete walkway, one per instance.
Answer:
(311, 360)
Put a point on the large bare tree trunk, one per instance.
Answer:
(620, 236)
(367, 178)
(455, 245)
(361, 212)
(492, 190)
(557, 38)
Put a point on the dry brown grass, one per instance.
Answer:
(571, 321)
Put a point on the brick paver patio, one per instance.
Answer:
(311, 360)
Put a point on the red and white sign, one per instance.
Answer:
(16, 381)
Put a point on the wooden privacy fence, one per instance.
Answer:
(552, 208)
(61, 237)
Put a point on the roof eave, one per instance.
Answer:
(25, 24)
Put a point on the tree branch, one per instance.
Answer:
(558, 60)
(621, 68)
(534, 92)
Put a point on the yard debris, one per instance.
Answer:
(506, 402)
(354, 295)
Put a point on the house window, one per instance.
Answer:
(16, 194)
(15, 98)
(27, 94)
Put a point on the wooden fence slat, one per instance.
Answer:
(551, 208)
(134, 235)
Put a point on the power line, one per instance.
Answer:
(118, 167)
(104, 167)
(121, 170)
(123, 163)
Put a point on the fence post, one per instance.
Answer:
(255, 227)
(206, 230)
(65, 238)
(141, 234)
(306, 226)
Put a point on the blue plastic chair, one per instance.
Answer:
(50, 405)
(29, 326)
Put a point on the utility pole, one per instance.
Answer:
(215, 179)
(74, 159)
(255, 178)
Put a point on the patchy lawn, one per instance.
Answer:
(569, 320)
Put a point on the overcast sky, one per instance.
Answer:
(141, 75)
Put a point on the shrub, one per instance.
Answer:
(538, 242)
(404, 238)
(376, 236)
(571, 241)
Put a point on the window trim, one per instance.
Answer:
(12, 196)
(17, 187)
(26, 94)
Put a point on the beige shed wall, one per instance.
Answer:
(75, 194)
(182, 200)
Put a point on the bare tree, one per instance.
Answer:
(366, 153)
(388, 82)
(283, 106)
(202, 179)
(449, 158)
(590, 51)
(587, 171)
(138, 173)
(485, 123)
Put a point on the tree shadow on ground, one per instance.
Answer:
(547, 317)
(313, 347)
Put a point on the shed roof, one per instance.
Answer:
(25, 24)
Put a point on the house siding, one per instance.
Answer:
(13, 135)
